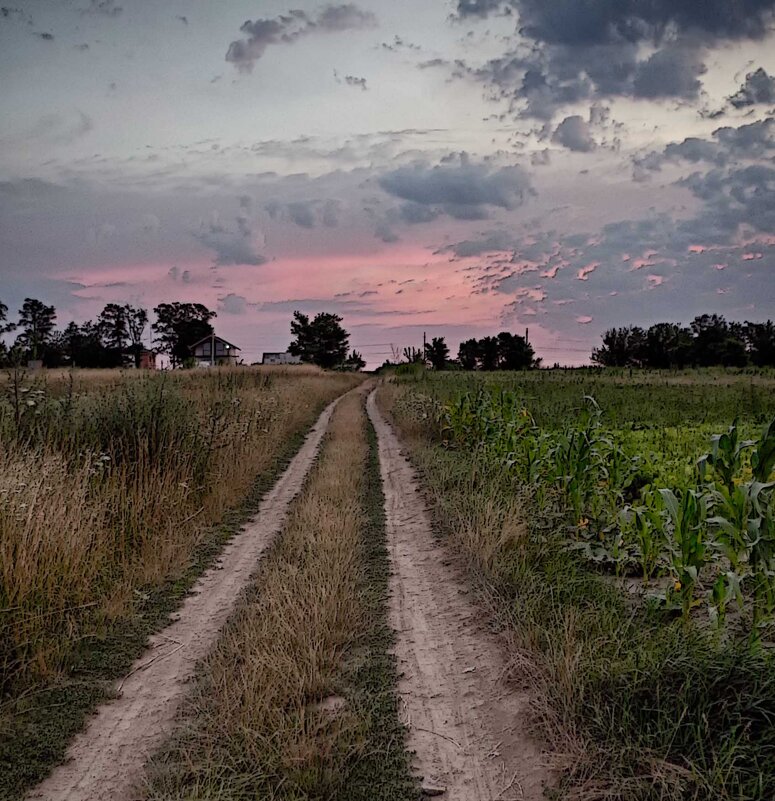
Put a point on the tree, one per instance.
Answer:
(667, 345)
(354, 361)
(515, 352)
(321, 341)
(622, 347)
(413, 355)
(437, 353)
(5, 326)
(760, 339)
(136, 320)
(488, 353)
(178, 326)
(36, 321)
(468, 354)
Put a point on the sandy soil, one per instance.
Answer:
(107, 758)
(466, 722)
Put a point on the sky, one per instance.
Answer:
(454, 167)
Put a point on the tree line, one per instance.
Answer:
(708, 341)
(506, 351)
(116, 337)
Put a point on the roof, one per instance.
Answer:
(219, 339)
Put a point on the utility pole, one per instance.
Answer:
(423, 347)
(212, 349)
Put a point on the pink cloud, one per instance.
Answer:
(655, 280)
(584, 319)
(752, 256)
(584, 272)
(697, 248)
(720, 266)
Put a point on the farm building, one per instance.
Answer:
(280, 358)
(215, 350)
(147, 360)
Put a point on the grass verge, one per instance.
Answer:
(297, 699)
(36, 727)
(637, 705)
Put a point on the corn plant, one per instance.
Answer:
(687, 541)
(645, 526)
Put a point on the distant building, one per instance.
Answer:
(147, 360)
(213, 350)
(280, 358)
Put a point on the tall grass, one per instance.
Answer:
(107, 482)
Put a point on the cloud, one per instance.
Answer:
(671, 72)
(755, 140)
(585, 22)
(288, 28)
(306, 213)
(758, 87)
(231, 246)
(232, 304)
(463, 190)
(351, 80)
(573, 133)
(106, 8)
(569, 51)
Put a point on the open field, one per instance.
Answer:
(636, 582)
(489, 587)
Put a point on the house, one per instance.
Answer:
(280, 358)
(213, 350)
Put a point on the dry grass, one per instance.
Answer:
(264, 720)
(108, 480)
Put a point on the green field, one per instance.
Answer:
(625, 524)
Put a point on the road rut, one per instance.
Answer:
(106, 760)
(466, 724)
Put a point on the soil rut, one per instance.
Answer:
(106, 759)
(466, 724)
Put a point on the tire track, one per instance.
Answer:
(106, 759)
(466, 725)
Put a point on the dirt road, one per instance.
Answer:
(105, 760)
(466, 724)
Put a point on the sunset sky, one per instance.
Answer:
(459, 168)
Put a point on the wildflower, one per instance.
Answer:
(677, 586)
(583, 522)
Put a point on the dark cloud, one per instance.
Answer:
(414, 213)
(758, 87)
(288, 28)
(231, 246)
(573, 132)
(385, 233)
(463, 189)
(352, 80)
(182, 19)
(232, 304)
(107, 8)
(736, 198)
(671, 72)
(576, 22)
(306, 213)
(755, 140)
(575, 50)
(47, 37)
